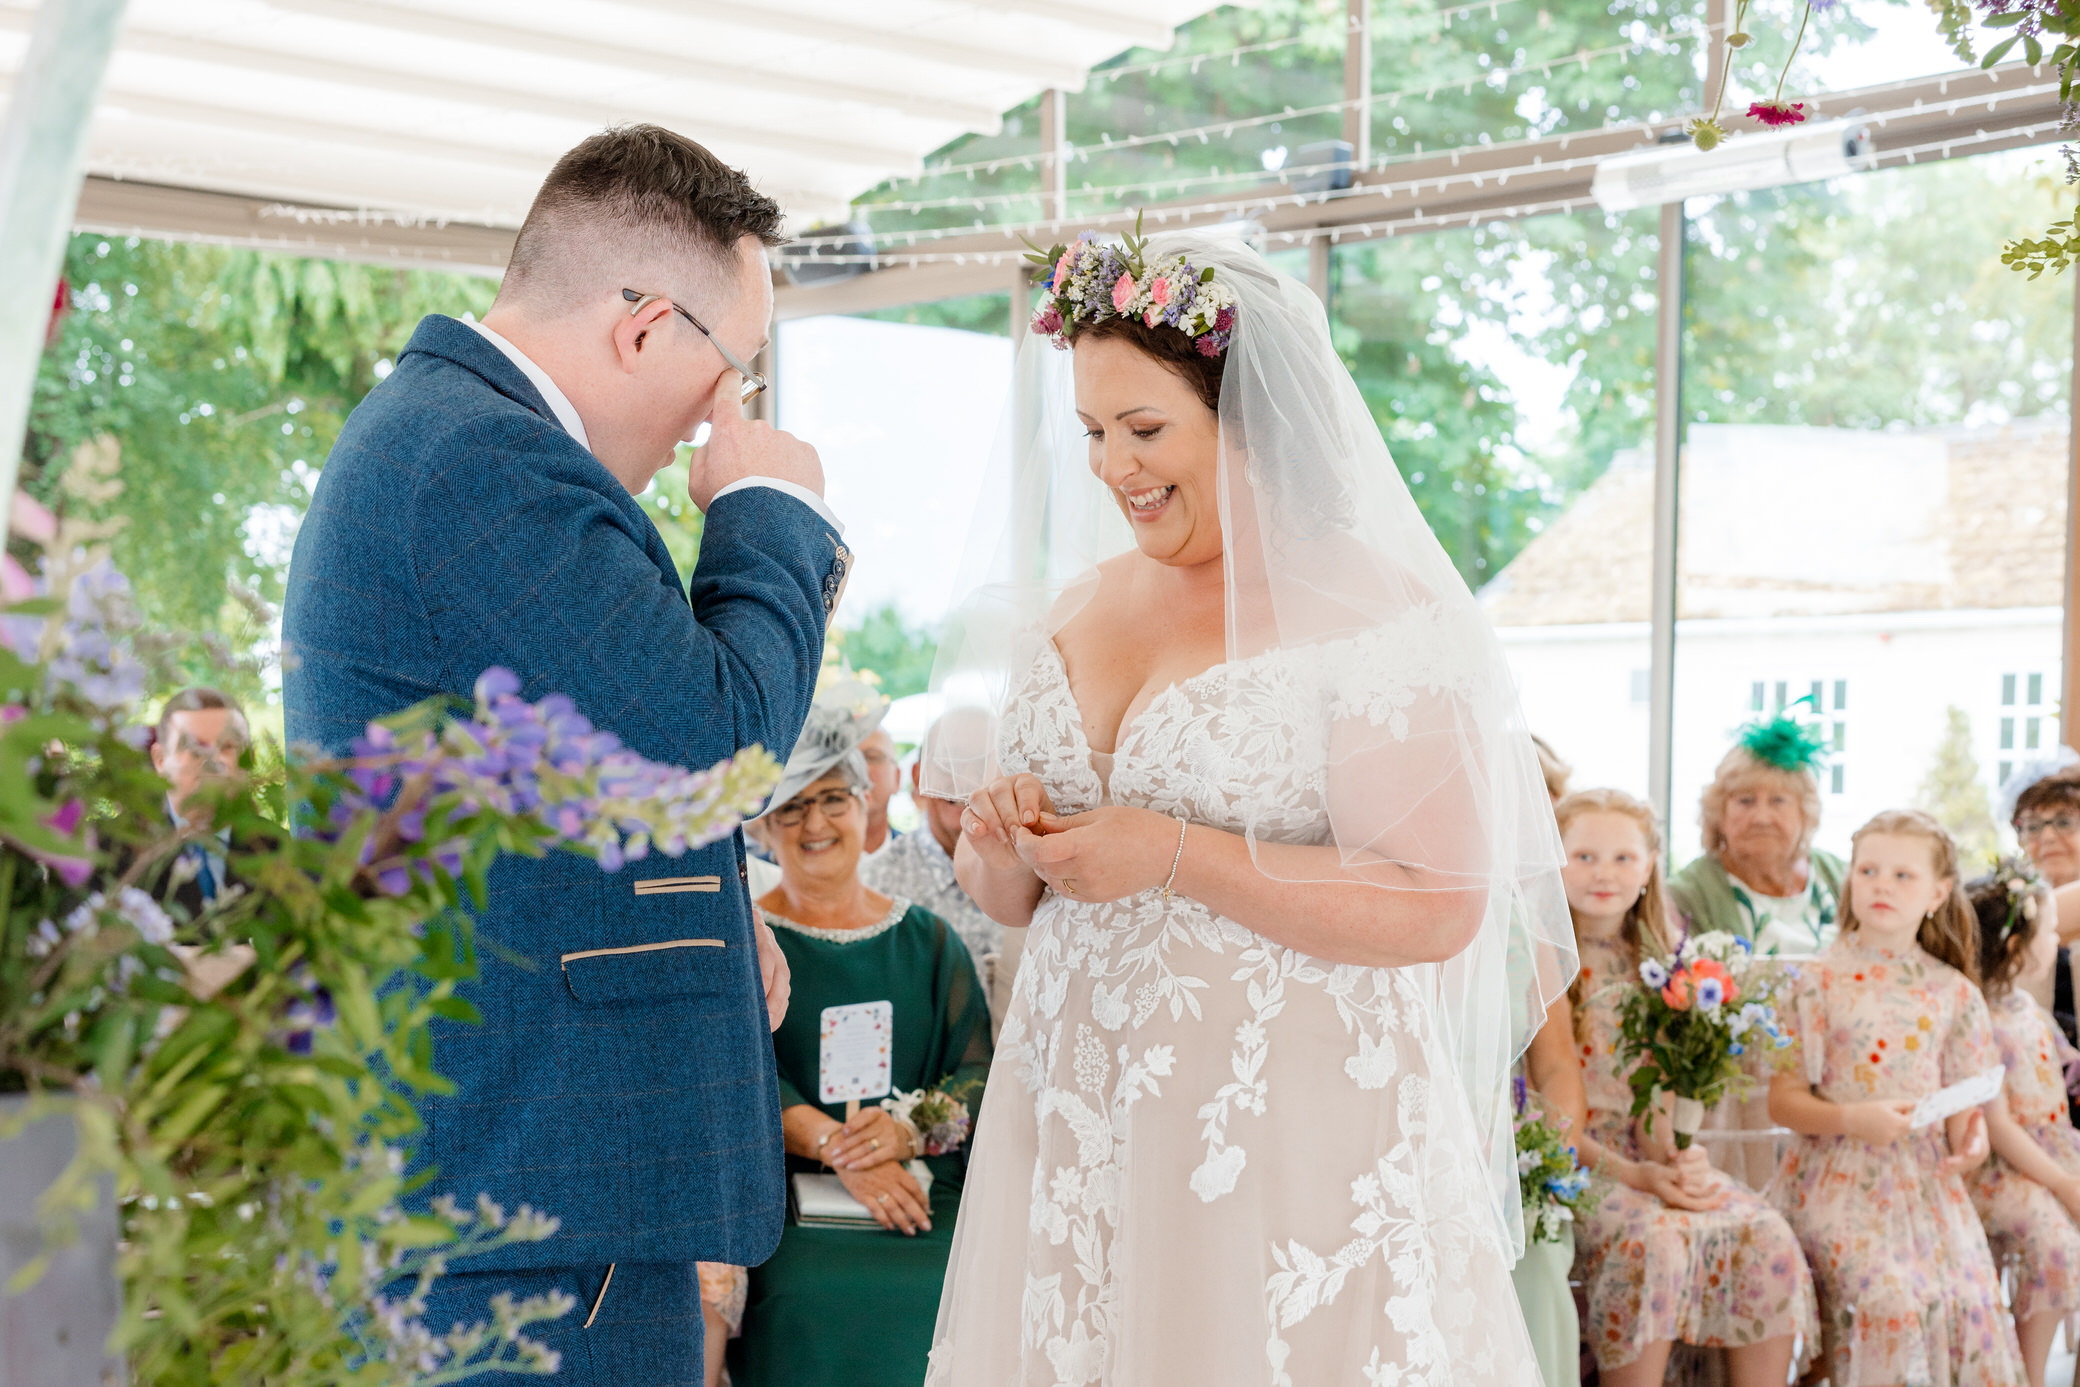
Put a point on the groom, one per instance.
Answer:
(480, 508)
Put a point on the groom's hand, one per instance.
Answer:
(738, 448)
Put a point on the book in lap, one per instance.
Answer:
(822, 1201)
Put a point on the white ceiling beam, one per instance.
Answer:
(264, 123)
(1132, 29)
(400, 18)
(900, 43)
(591, 113)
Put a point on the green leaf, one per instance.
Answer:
(2032, 50)
(456, 1009)
(1999, 50)
(2008, 20)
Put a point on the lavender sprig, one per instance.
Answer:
(573, 785)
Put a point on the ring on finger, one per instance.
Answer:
(881, 1198)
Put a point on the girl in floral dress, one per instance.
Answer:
(1673, 1250)
(2029, 1193)
(1888, 1015)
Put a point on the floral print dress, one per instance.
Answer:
(2032, 1235)
(1908, 1290)
(1719, 1278)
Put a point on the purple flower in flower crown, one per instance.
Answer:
(1048, 321)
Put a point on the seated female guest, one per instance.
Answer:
(845, 1304)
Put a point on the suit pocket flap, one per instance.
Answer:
(647, 972)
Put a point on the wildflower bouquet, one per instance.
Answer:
(942, 1121)
(246, 1077)
(1550, 1178)
(1689, 1026)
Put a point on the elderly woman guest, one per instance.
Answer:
(1762, 879)
(2045, 813)
(843, 1304)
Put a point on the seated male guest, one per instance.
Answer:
(920, 865)
(884, 778)
(848, 1305)
(201, 735)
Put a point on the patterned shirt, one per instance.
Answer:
(914, 866)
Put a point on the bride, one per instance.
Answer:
(1260, 792)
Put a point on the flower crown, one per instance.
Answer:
(1785, 742)
(2015, 877)
(1088, 283)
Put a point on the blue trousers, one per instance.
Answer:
(647, 1332)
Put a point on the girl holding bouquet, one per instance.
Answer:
(1672, 1248)
(1890, 1014)
(2028, 1195)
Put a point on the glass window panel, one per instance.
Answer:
(1874, 429)
(2036, 689)
(1529, 449)
(1841, 694)
(1755, 696)
(2030, 728)
(904, 405)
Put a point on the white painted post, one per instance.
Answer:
(43, 150)
(1668, 442)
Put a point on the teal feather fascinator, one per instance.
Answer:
(1784, 742)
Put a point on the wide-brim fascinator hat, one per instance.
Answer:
(847, 710)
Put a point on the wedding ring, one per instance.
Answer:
(874, 1145)
(881, 1198)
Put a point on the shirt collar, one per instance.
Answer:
(559, 403)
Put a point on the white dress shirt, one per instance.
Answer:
(567, 415)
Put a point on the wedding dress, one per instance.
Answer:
(1204, 1157)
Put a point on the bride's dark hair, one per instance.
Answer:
(1168, 346)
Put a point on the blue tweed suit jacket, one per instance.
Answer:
(457, 526)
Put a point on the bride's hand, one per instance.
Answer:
(998, 813)
(1105, 855)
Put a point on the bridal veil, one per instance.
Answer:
(1431, 781)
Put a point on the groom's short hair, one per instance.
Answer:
(634, 197)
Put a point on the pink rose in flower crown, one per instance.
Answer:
(1123, 292)
(1160, 292)
(1061, 272)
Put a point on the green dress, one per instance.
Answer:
(843, 1304)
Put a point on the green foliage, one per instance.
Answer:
(224, 376)
(899, 655)
(672, 511)
(247, 1076)
(1953, 793)
(990, 313)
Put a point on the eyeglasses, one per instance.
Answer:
(754, 383)
(834, 804)
(2026, 829)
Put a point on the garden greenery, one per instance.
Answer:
(247, 1076)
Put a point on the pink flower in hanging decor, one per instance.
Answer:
(1775, 113)
(1123, 292)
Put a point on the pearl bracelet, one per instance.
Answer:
(1182, 825)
